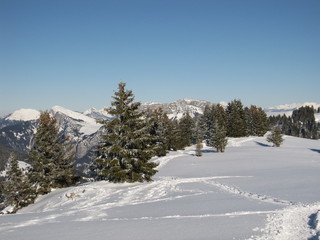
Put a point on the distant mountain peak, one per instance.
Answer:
(23, 115)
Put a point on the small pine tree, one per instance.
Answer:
(220, 140)
(17, 190)
(275, 137)
(126, 148)
(51, 157)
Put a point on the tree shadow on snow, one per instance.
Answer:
(262, 144)
(315, 150)
(208, 151)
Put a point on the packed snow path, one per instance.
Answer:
(251, 191)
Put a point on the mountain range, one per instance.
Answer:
(17, 129)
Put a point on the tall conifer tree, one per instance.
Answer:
(51, 157)
(236, 125)
(126, 147)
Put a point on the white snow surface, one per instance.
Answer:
(23, 115)
(252, 191)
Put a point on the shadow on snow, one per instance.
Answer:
(315, 150)
(262, 144)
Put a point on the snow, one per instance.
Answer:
(252, 191)
(24, 115)
(72, 114)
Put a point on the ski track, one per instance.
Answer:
(254, 196)
(94, 202)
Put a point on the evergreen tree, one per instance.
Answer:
(17, 190)
(174, 135)
(186, 127)
(275, 137)
(51, 157)
(157, 121)
(126, 147)
(206, 122)
(236, 125)
(256, 121)
(219, 140)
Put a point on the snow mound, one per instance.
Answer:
(24, 115)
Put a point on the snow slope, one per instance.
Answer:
(252, 191)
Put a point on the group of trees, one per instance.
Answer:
(302, 123)
(129, 142)
(51, 166)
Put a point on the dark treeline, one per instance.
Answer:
(213, 126)
(302, 123)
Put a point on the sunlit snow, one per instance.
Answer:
(252, 191)
(24, 115)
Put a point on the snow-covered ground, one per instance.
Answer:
(252, 191)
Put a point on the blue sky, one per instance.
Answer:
(73, 53)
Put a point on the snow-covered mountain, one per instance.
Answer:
(101, 114)
(175, 110)
(23, 115)
(18, 128)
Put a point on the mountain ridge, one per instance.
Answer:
(17, 129)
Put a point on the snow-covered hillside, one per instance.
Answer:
(252, 191)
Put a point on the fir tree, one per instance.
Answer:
(17, 190)
(51, 157)
(174, 135)
(275, 137)
(219, 140)
(126, 147)
(157, 121)
(236, 126)
(206, 122)
(256, 121)
(186, 127)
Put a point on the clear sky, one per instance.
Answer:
(73, 53)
